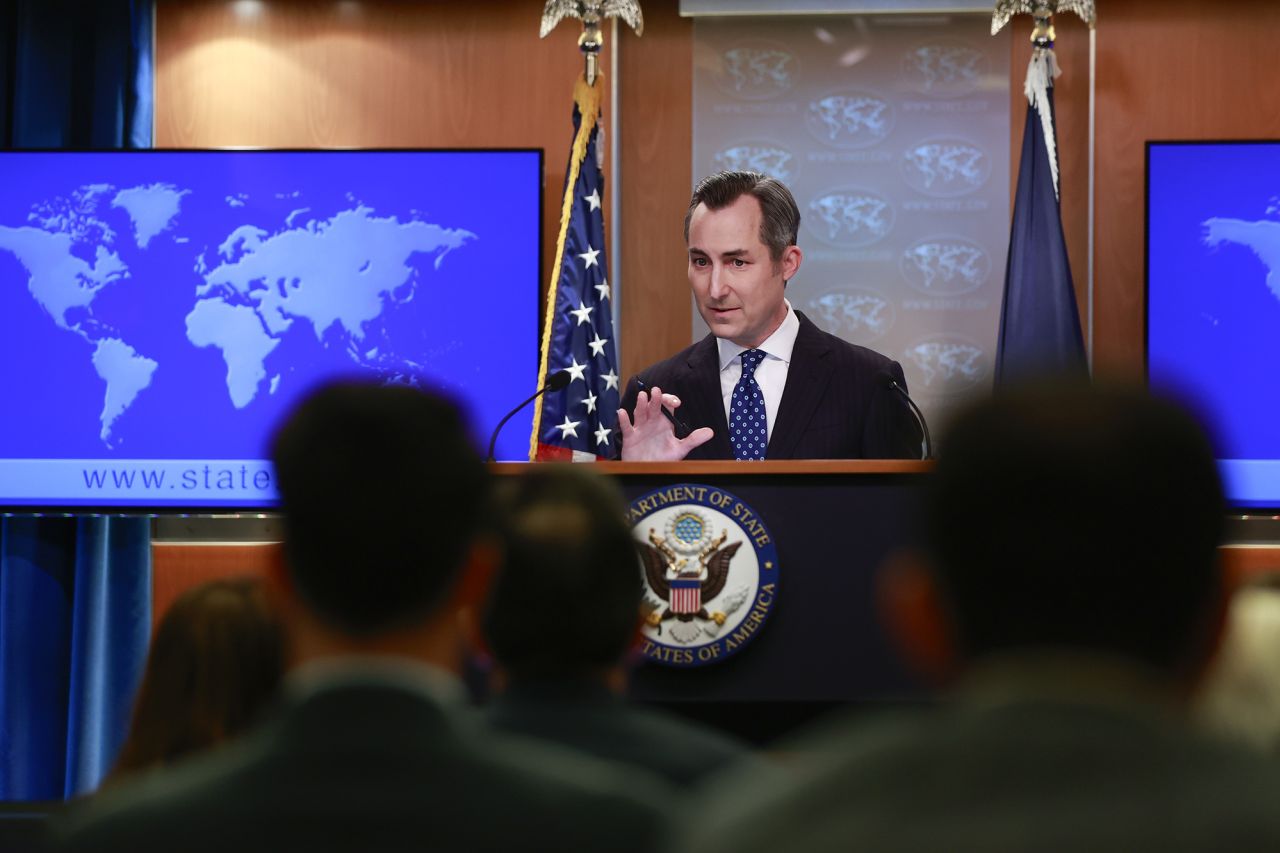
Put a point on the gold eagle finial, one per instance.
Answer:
(591, 12)
(1006, 9)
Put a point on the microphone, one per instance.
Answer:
(887, 379)
(555, 382)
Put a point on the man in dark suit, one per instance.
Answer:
(386, 551)
(766, 382)
(563, 614)
(1071, 597)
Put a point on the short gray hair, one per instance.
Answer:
(780, 217)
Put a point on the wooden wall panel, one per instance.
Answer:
(373, 73)
(1185, 69)
(1178, 69)
(381, 72)
(1242, 563)
(655, 95)
(175, 567)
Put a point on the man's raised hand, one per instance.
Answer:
(649, 437)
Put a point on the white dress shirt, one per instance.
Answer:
(771, 373)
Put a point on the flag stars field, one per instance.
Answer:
(583, 312)
(568, 428)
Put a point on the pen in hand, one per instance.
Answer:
(681, 428)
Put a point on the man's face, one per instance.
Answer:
(738, 287)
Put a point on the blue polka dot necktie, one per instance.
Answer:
(748, 429)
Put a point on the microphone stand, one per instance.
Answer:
(555, 382)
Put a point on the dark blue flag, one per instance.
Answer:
(1039, 321)
(580, 421)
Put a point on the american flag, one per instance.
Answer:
(686, 595)
(580, 422)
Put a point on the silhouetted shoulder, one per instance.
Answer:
(445, 784)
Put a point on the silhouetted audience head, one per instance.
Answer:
(383, 495)
(215, 662)
(568, 598)
(1079, 517)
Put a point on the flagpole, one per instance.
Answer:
(615, 204)
(1093, 102)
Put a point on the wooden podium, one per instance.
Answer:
(833, 523)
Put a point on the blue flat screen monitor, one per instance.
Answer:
(162, 311)
(1213, 299)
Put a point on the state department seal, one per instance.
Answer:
(705, 594)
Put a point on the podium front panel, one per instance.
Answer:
(833, 525)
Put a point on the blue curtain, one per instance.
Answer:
(76, 74)
(75, 614)
(75, 592)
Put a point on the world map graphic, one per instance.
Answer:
(337, 278)
(1213, 299)
(1261, 236)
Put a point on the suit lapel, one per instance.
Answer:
(807, 379)
(703, 405)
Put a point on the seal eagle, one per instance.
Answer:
(659, 559)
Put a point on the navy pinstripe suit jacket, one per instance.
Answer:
(835, 405)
